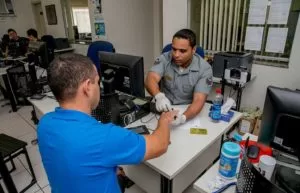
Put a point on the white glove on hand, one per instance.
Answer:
(162, 103)
(180, 119)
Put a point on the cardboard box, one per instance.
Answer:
(257, 127)
(246, 125)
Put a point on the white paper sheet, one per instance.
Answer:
(253, 38)
(279, 11)
(257, 11)
(276, 40)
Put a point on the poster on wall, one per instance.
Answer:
(51, 14)
(100, 28)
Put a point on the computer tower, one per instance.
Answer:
(231, 60)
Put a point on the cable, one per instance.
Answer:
(147, 120)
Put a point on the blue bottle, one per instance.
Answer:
(216, 108)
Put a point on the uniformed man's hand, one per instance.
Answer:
(162, 103)
(179, 119)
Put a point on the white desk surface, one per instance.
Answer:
(44, 105)
(185, 147)
(201, 185)
(13, 59)
(63, 50)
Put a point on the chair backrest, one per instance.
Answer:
(19, 80)
(199, 50)
(97, 46)
(51, 45)
(108, 109)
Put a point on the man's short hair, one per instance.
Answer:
(11, 30)
(188, 35)
(66, 72)
(32, 32)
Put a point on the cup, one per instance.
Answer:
(266, 166)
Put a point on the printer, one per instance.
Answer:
(240, 61)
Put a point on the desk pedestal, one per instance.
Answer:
(152, 181)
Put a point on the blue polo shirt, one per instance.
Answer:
(81, 155)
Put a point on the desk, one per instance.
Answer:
(60, 51)
(5, 84)
(201, 185)
(187, 156)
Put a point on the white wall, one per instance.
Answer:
(54, 30)
(22, 22)
(176, 16)
(129, 27)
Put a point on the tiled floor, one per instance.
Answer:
(20, 126)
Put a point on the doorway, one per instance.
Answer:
(39, 18)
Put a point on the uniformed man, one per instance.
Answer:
(184, 76)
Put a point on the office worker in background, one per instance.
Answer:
(185, 77)
(80, 154)
(32, 35)
(4, 44)
(17, 45)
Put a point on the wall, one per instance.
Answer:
(59, 29)
(129, 27)
(79, 3)
(176, 16)
(22, 22)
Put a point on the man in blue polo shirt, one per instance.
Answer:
(81, 155)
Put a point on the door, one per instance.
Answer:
(39, 19)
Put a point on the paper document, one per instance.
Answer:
(276, 39)
(279, 11)
(257, 11)
(253, 38)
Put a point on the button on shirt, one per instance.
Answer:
(81, 155)
(179, 84)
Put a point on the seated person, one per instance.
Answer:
(32, 35)
(185, 77)
(4, 45)
(80, 154)
(17, 45)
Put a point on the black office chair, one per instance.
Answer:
(108, 109)
(10, 148)
(20, 83)
(51, 45)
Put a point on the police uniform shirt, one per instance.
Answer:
(179, 84)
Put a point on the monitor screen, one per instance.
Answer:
(129, 72)
(280, 126)
(40, 54)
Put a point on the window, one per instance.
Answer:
(6, 8)
(81, 19)
(222, 25)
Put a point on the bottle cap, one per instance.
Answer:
(218, 90)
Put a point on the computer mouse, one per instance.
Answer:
(253, 151)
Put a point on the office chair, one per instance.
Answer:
(97, 46)
(10, 148)
(51, 45)
(168, 48)
(20, 83)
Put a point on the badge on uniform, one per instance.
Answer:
(209, 81)
(157, 61)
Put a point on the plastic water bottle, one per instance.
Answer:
(217, 104)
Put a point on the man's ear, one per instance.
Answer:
(194, 49)
(86, 86)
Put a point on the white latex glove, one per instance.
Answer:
(180, 119)
(162, 103)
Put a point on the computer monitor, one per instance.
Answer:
(40, 54)
(129, 72)
(280, 126)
